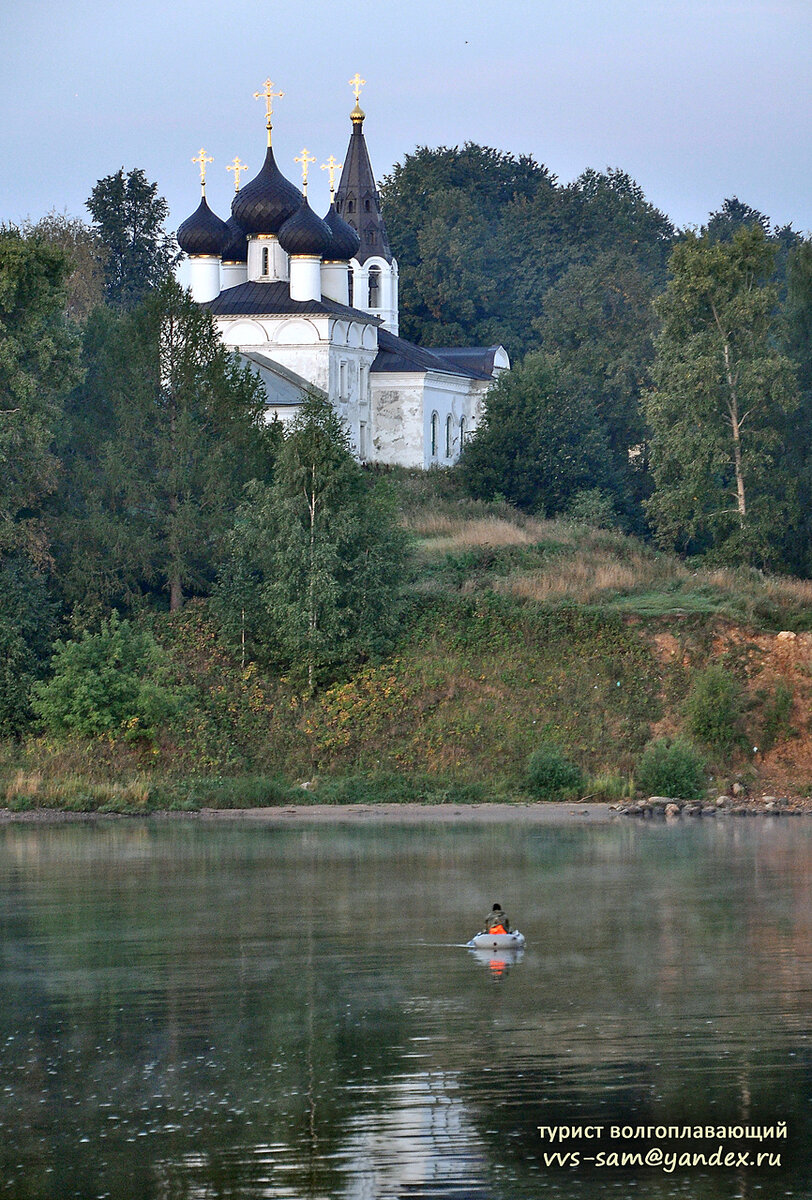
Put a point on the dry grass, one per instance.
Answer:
(24, 784)
(595, 573)
(448, 531)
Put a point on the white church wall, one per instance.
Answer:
(451, 411)
(242, 333)
(396, 421)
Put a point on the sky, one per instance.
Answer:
(698, 100)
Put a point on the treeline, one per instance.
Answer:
(661, 377)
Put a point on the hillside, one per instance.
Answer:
(517, 631)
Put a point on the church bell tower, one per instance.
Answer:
(374, 268)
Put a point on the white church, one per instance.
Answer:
(313, 303)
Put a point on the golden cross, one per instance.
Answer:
(305, 159)
(356, 83)
(203, 158)
(237, 167)
(332, 166)
(269, 95)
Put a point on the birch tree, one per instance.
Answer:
(722, 391)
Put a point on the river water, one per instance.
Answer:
(238, 1010)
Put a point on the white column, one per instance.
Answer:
(204, 277)
(233, 273)
(305, 277)
(334, 282)
(266, 259)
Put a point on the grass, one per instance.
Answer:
(469, 546)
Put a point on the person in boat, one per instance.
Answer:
(497, 920)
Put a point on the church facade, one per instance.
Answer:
(312, 303)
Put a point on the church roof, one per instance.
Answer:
(283, 387)
(273, 299)
(476, 358)
(265, 202)
(346, 241)
(357, 201)
(203, 232)
(395, 354)
(305, 233)
(235, 249)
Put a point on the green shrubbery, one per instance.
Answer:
(551, 775)
(671, 768)
(713, 709)
(107, 683)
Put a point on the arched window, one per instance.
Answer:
(463, 432)
(266, 260)
(350, 206)
(374, 287)
(435, 430)
(349, 285)
(366, 206)
(449, 437)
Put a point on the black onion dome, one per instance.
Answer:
(203, 232)
(305, 233)
(264, 204)
(235, 249)
(346, 242)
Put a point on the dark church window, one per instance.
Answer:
(366, 206)
(350, 206)
(370, 237)
(266, 260)
(349, 285)
(435, 425)
(374, 287)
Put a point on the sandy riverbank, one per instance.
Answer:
(356, 814)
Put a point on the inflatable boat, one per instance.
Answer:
(497, 941)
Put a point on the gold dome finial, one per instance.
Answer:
(203, 158)
(237, 167)
(269, 95)
(305, 159)
(332, 166)
(356, 83)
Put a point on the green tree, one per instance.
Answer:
(83, 250)
(317, 556)
(732, 216)
(600, 322)
(446, 211)
(27, 629)
(163, 435)
(607, 211)
(796, 340)
(481, 236)
(539, 442)
(108, 683)
(721, 390)
(128, 217)
(38, 363)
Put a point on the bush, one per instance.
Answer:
(776, 717)
(551, 775)
(713, 709)
(107, 683)
(671, 768)
(593, 507)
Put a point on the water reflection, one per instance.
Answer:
(244, 1011)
